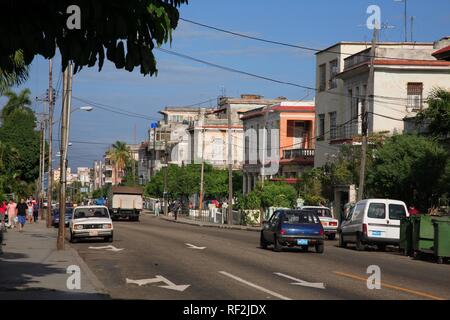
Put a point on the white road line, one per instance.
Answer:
(299, 282)
(254, 286)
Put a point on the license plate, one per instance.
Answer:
(302, 242)
(93, 233)
(376, 233)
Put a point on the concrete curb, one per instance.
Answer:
(218, 226)
(86, 271)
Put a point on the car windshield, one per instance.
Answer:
(90, 213)
(297, 217)
(321, 212)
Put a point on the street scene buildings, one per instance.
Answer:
(222, 150)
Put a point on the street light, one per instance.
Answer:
(84, 108)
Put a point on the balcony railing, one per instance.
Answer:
(347, 131)
(297, 153)
(356, 59)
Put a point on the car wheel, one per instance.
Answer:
(277, 246)
(359, 245)
(109, 239)
(381, 247)
(342, 243)
(262, 242)
(320, 248)
(332, 236)
(72, 238)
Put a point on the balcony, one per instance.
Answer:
(346, 132)
(356, 59)
(298, 153)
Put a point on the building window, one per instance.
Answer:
(322, 77)
(333, 127)
(332, 84)
(321, 127)
(415, 95)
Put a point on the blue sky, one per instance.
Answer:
(318, 23)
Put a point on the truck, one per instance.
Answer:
(125, 202)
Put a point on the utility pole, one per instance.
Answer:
(364, 114)
(50, 144)
(153, 154)
(39, 183)
(412, 28)
(202, 173)
(230, 169)
(166, 213)
(42, 189)
(65, 126)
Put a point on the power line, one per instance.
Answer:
(290, 45)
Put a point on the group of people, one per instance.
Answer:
(18, 213)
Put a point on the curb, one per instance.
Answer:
(92, 278)
(219, 226)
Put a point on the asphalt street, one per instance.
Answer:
(179, 261)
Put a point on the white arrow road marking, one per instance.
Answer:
(109, 248)
(191, 246)
(254, 286)
(169, 285)
(298, 282)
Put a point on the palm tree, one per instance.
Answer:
(16, 101)
(17, 75)
(120, 155)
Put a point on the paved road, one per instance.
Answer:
(232, 266)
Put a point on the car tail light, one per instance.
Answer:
(333, 224)
(365, 229)
(283, 232)
(321, 232)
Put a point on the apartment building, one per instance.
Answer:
(405, 73)
(209, 134)
(279, 142)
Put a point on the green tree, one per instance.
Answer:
(437, 115)
(125, 32)
(277, 194)
(16, 101)
(17, 74)
(120, 155)
(408, 168)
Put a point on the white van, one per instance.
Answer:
(373, 221)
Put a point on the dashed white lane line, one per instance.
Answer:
(272, 293)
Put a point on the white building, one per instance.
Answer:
(405, 73)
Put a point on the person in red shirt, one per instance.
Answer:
(3, 206)
(413, 211)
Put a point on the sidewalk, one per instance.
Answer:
(206, 224)
(32, 268)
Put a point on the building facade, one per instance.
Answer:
(404, 75)
(278, 142)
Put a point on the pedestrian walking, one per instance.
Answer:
(157, 208)
(35, 210)
(11, 211)
(21, 212)
(30, 212)
(3, 207)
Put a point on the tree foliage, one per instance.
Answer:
(409, 168)
(437, 115)
(19, 145)
(127, 31)
(16, 74)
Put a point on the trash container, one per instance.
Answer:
(406, 235)
(423, 234)
(441, 240)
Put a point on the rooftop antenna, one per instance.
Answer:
(405, 18)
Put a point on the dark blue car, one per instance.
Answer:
(67, 216)
(293, 228)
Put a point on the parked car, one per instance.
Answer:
(67, 217)
(293, 228)
(329, 223)
(91, 222)
(373, 222)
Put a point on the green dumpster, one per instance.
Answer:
(423, 233)
(441, 240)
(406, 227)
